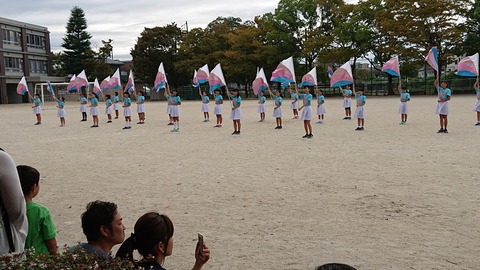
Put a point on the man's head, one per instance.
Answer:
(102, 222)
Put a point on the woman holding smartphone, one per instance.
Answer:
(153, 238)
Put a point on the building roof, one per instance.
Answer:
(23, 24)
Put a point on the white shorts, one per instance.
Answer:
(37, 110)
(127, 111)
(277, 113)
(141, 108)
(116, 106)
(442, 108)
(218, 109)
(236, 114)
(108, 110)
(476, 107)
(261, 108)
(175, 111)
(321, 109)
(205, 107)
(83, 108)
(61, 113)
(306, 113)
(169, 109)
(294, 106)
(94, 111)
(347, 102)
(359, 113)
(403, 108)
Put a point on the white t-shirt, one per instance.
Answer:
(11, 197)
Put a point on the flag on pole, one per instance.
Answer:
(260, 83)
(72, 85)
(329, 71)
(310, 79)
(81, 80)
(468, 66)
(160, 79)
(104, 85)
(342, 76)
(22, 87)
(203, 74)
(50, 88)
(216, 79)
(285, 72)
(130, 86)
(392, 67)
(432, 58)
(195, 79)
(96, 87)
(115, 82)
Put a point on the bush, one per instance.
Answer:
(68, 260)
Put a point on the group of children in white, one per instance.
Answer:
(113, 106)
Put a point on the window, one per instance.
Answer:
(38, 66)
(11, 37)
(13, 64)
(35, 41)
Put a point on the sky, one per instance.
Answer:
(123, 21)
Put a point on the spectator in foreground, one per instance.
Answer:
(335, 266)
(103, 227)
(153, 238)
(41, 229)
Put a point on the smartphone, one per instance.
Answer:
(200, 244)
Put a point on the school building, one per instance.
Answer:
(24, 51)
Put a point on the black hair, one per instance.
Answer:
(149, 230)
(141, 92)
(238, 92)
(108, 96)
(335, 266)
(116, 93)
(29, 177)
(97, 214)
(95, 94)
(126, 93)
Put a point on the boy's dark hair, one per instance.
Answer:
(98, 214)
(29, 177)
(335, 266)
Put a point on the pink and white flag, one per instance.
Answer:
(468, 66)
(432, 58)
(81, 80)
(216, 79)
(310, 79)
(130, 86)
(285, 72)
(203, 74)
(72, 85)
(96, 87)
(161, 78)
(115, 82)
(104, 85)
(342, 76)
(22, 87)
(260, 83)
(392, 67)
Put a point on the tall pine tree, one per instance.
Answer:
(76, 43)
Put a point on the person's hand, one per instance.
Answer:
(201, 260)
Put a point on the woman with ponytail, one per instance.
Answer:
(153, 239)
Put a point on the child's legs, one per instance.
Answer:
(39, 117)
(116, 113)
(349, 111)
(221, 118)
(305, 126)
(321, 116)
(234, 125)
(239, 125)
(295, 112)
(441, 120)
(208, 115)
(478, 116)
(445, 121)
(362, 121)
(218, 118)
(109, 116)
(309, 126)
(171, 118)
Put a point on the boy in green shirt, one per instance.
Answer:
(41, 229)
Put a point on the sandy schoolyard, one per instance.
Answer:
(388, 197)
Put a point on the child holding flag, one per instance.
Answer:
(236, 114)
(307, 112)
(320, 106)
(61, 109)
(127, 111)
(294, 105)
(94, 109)
(175, 110)
(83, 106)
(141, 107)
(360, 111)
(444, 95)
(261, 105)
(116, 104)
(277, 110)
(347, 102)
(218, 107)
(404, 98)
(37, 110)
(108, 109)
(169, 98)
(205, 108)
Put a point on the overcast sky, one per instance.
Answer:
(123, 21)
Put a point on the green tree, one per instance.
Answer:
(471, 43)
(76, 43)
(156, 45)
